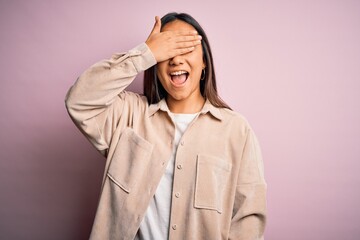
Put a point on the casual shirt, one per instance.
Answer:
(156, 222)
(218, 185)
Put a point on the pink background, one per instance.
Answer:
(291, 67)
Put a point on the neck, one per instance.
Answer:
(185, 106)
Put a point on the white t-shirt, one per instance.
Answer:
(155, 224)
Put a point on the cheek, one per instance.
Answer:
(161, 77)
(161, 71)
(197, 62)
(197, 68)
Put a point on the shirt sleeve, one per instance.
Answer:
(96, 101)
(249, 213)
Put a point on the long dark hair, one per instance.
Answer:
(154, 91)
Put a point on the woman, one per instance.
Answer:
(180, 163)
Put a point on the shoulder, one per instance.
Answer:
(133, 101)
(238, 127)
(236, 122)
(133, 97)
(234, 118)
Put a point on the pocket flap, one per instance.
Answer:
(130, 160)
(211, 176)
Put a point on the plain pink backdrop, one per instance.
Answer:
(291, 67)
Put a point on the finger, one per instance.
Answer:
(180, 34)
(185, 32)
(184, 50)
(157, 25)
(188, 44)
(188, 38)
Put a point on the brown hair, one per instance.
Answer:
(154, 91)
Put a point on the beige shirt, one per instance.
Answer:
(219, 191)
(155, 224)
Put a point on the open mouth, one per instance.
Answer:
(179, 77)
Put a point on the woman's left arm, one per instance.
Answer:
(249, 213)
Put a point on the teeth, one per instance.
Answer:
(178, 73)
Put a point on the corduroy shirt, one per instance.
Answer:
(219, 191)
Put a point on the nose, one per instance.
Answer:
(177, 60)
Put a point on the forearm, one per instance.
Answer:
(100, 84)
(94, 102)
(249, 219)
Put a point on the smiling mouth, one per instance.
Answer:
(178, 78)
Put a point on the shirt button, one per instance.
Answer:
(174, 226)
(177, 194)
(179, 166)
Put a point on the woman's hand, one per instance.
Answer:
(168, 44)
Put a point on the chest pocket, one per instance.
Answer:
(211, 176)
(130, 160)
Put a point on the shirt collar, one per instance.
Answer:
(207, 108)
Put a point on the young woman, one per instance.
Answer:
(180, 163)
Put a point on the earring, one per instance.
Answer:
(203, 73)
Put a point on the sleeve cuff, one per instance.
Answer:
(142, 57)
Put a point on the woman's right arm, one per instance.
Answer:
(96, 101)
